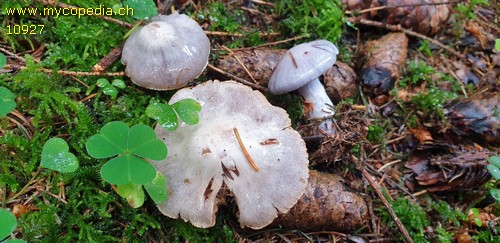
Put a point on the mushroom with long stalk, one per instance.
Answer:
(300, 69)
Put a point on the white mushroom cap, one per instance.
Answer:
(302, 64)
(203, 156)
(167, 53)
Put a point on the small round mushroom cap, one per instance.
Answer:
(302, 64)
(204, 156)
(167, 53)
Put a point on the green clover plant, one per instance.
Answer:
(3, 60)
(8, 224)
(129, 170)
(56, 156)
(7, 103)
(110, 89)
(497, 44)
(166, 115)
(494, 169)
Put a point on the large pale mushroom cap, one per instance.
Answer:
(203, 156)
(167, 53)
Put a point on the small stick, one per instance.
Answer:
(245, 152)
(406, 31)
(367, 10)
(271, 43)
(220, 33)
(69, 73)
(387, 205)
(244, 81)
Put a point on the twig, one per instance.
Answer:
(272, 43)
(406, 31)
(69, 73)
(245, 152)
(88, 98)
(220, 33)
(26, 186)
(12, 54)
(387, 205)
(244, 81)
(241, 63)
(367, 10)
(263, 3)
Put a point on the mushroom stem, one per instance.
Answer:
(314, 93)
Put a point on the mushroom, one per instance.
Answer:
(300, 69)
(241, 141)
(167, 53)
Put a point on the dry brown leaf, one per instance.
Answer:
(421, 134)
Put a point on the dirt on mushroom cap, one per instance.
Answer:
(204, 156)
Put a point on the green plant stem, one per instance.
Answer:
(23, 190)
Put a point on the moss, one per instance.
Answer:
(315, 19)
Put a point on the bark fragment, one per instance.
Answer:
(477, 117)
(327, 204)
(382, 61)
(426, 17)
(446, 167)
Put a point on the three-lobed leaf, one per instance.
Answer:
(132, 145)
(7, 102)
(56, 156)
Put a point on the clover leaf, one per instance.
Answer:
(188, 109)
(110, 89)
(494, 166)
(131, 146)
(56, 156)
(157, 189)
(133, 193)
(8, 223)
(166, 115)
(3, 60)
(7, 103)
(143, 9)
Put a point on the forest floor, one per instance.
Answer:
(417, 114)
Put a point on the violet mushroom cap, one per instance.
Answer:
(167, 53)
(299, 68)
(204, 156)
